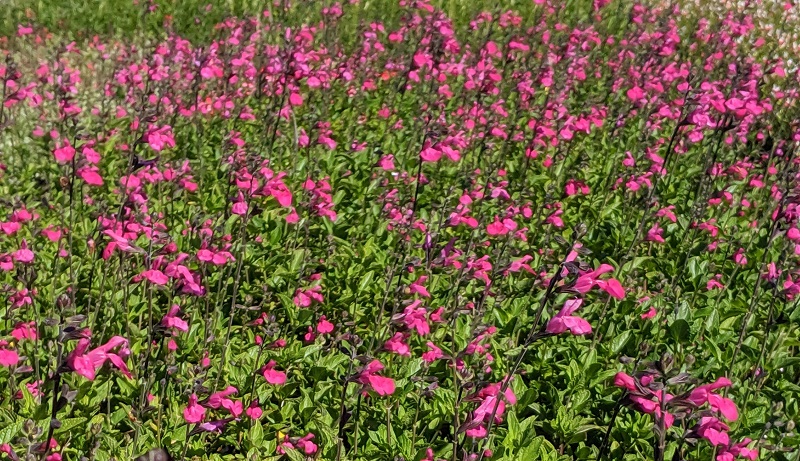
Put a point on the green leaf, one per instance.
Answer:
(680, 331)
(293, 454)
(8, 433)
(619, 342)
(70, 423)
(539, 448)
(256, 434)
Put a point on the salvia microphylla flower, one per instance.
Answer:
(565, 321)
(381, 385)
(302, 443)
(491, 403)
(86, 363)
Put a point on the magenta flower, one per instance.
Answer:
(713, 430)
(23, 255)
(221, 400)
(91, 175)
(725, 406)
(10, 227)
(254, 411)
(324, 326)
(591, 279)
(565, 321)
(415, 318)
(398, 345)
(194, 412)
(171, 320)
(25, 331)
(433, 354)
(738, 450)
(491, 403)
(8, 357)
(155, 277)
(369, 378)
(86, 364)
(64, 153)
(272, 375)
(418, 287)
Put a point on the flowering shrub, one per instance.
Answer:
(402, 231)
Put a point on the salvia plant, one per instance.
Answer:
(400, 230)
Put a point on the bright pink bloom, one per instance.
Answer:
(171, 320)
(23, 255)
(380, 384)
(564, 320)
(25, 331)
(254, 411)
(626, 381)
(272, 375)
(433, 354)
(91, 176)
(713, 430)
(86, 364)
(194, 412)
(8, 357)
(307, 445)
(398, 345)
(155, 276)
(64, 153)
(324, 326)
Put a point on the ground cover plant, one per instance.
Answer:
(399, 230)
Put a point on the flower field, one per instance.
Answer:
(399, 230)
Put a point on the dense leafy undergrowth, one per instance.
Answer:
(548, 232)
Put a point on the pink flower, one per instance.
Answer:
(649, 314)
(724, 406)
(54, 235)
(64, 153)
(239, 208)
(221, 400)
(23, 255)
(324, 326)
(635, 94)
(386, 162)
(25, 331)
(625, 381)
(491, 403)
(414, 317)
(254, 411)
(171, 320)
(739, 449)
(501, 227)
(160, 138)
(8, 357)
(713, 430)
(380, 384)
(194, 412)
(433, 354)
(86, 364)
(307, 445)
(217, 399)
(155, 276)
(91, 176)
(612, 287)
(564, 320)
(655, 234)
(10, 228)
(418, 288)
(295, 99)
(398, 345)
(273, 376)
(304, 298)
